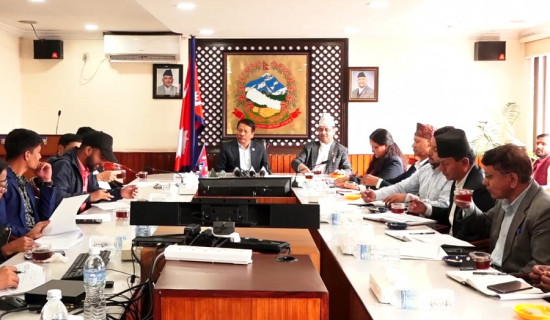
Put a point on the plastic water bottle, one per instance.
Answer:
(54, 309)
(424, 299)
(143, 231)
(94, 284)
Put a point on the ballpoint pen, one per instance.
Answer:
(415, 233)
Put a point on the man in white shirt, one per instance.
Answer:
(243, 153)
(427, 185)
(325, 155)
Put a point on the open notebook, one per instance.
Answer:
(480, 283)
(62, 232)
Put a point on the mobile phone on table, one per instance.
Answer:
(507, 287)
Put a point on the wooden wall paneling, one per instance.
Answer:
(287, 163)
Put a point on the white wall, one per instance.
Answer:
(10, 83)
(421, 80)
(434, 81)
(117, 100)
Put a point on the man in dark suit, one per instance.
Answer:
(243, 152)
(520, 220)
(457, 164)
(325, 155)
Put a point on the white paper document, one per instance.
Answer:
(31, 276)
(395, 217)
(63, 218)
(62, 241)
(427, 235)
(112, 205)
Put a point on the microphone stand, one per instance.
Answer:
(153, 170)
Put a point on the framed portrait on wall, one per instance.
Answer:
(167, 81)
(270, 89)
(363, 84)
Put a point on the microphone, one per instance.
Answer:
(155, 170)
(237, 172)
(294, 182)
(58, 116)
(252, 172)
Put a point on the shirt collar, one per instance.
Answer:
(460, 183)
(82, 167)
(513, 207)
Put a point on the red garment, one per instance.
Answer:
(540, 170)
(85, 173)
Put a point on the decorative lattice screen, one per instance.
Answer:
(328, 81)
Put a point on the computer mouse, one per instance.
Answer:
(11, 302)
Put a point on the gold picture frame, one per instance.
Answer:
(271, 89)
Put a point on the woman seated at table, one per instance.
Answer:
(387, 162)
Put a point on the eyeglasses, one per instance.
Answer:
(375, 148)
(491, 176)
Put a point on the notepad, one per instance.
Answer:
(31, 276)
(480, 283)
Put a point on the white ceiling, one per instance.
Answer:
(478, 19)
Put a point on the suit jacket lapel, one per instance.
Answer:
(517, 221)
(253, 151)
(314, 154)
(331, 164)
(235, 151)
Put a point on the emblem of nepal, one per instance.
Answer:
(269, 100)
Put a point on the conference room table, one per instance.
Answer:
(347, 277)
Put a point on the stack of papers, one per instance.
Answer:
(62, 232)
(393, 217)
(480, 283)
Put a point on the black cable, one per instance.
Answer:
(33, 29)
(30, 307)
(224, 241)
(123, 272)
(150, 313)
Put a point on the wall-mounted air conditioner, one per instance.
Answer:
(142, 48)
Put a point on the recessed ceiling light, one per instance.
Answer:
(186, 6)
(206, 32)
(351, 30)
(90, 27)
(37, 0)
(378, 4)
